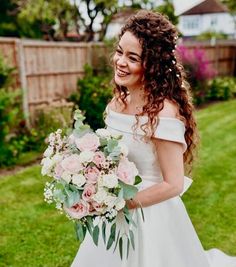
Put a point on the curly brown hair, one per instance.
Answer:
(164, 76)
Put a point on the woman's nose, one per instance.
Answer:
(121, 61)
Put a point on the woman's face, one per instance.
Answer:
(127, 62)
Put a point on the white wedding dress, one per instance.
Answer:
(167, 237)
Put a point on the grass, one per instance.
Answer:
(34, 234)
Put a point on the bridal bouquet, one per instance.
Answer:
(91, 180)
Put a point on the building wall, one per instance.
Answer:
(193, 25)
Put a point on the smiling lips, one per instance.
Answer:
(121, 73)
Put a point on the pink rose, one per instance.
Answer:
(58, 170)
(89, 191)
(99, 158)
(72, 164)
(127, 171)
(79, 210)
(96, 206)
(91, 174)
(89, 141)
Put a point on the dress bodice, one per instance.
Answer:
(143, 153)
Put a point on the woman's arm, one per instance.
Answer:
(170, 157)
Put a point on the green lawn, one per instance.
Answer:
(34, 234)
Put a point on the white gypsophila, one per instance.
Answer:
(110, 201)
(100, 196)
(58, 206)
(47, 166)
(48, 193)
(66, 176)
(120, 204)
(103, 133)
(51, 138)
(78, 179)
(86, 156)
(110, 180)
(111, 214)
(48, 152)
(124, 149)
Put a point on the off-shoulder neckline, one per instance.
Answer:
(144, 116)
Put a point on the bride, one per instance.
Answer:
(152, 109)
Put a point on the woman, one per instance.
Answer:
(153, 111)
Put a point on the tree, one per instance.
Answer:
(8, 22)
(95, 12)
(168, 9)
(231, 4)
(48, 19)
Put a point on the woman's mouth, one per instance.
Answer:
(121, 73)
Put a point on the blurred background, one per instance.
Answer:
(55, 56)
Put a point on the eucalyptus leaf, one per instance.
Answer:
(128, 245)
(80, 231)
(121, 247)
(104, 232)
(111, 145)
(117, 240)
(95, 235)
(131, 235)
(129, 191)
(110, 241)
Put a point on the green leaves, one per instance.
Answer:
(95, 235)
(138, 180)
(129, 191)
(80, 230)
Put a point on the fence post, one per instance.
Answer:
(23, 81)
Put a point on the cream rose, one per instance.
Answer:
(127, 171)
(78, 179)
(110, 180)
(89, 141)
(72, 164)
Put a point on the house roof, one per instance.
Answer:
(206, 7)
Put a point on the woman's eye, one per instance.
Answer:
(118, 51)
(133, 59)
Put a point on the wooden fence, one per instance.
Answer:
(47, 72)
(221, 55)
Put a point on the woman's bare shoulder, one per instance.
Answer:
(170, 109)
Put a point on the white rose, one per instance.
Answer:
(86, 156)
(48, 152)
(78, 179)
(110, 180)
(124, 149)
(66, 176)
(120, 204)
(47, 166)
(103, 133)
(57, 158)
(100, 196)
(110, 201)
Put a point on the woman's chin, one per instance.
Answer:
(120, 81)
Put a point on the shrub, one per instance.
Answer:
(198, 70)
(222, 88)
(93, 93)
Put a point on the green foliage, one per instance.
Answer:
(9, 114)
(92, 96)
(207, 35)
(8, 18)
(222, 88)
(168, 9)
(46, 19)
